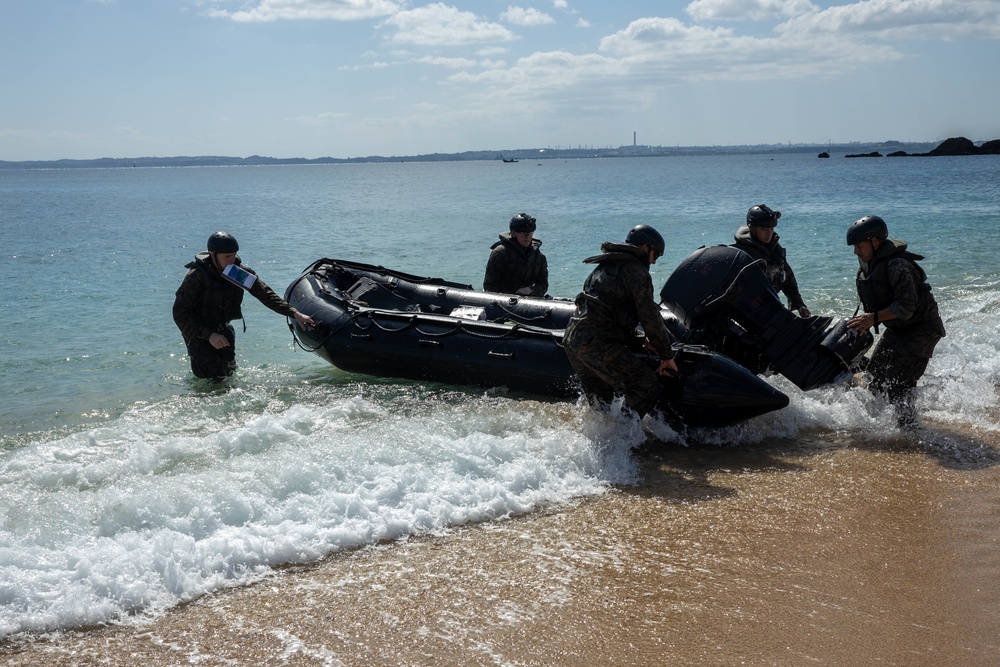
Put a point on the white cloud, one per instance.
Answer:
(544, 71)
(560, 4)
(452, 63)
(336, 10)
(493, 64)
(664, 49)
(582, 23)
(405, 58)
(378, 64)
(437, 24)
(747, 10)
(904, 19)
(526, 16)
(665, 35)
(637, 64)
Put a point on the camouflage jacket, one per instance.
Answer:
(616, 297)
(511, 267)
(894, 280)
(205, 302)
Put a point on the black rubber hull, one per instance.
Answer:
(380, 322)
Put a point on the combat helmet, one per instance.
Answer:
(762, 215)
(641, 235)
(522, 222)
(867, 228)
(223, 242)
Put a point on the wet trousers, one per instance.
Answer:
(898, 362)
(606, 367)
(208, 362)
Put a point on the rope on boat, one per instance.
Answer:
(546, 316)
(412, 321)
(291, 321)
(295, 337)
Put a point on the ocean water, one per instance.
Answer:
(128, 487)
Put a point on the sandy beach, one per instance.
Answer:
(792, 553)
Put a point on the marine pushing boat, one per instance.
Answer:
(382, 322)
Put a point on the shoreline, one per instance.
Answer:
(788, 554)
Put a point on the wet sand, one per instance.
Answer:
(826, 552)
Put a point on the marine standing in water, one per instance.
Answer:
(616, 297)
(758, 239)
(893, 290)
(516, 265)
(207, 301)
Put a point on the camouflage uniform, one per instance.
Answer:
(895, 281)
(775, 265)
(511, 267)
(616, 297)
(206, 303)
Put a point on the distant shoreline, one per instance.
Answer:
(523, 154)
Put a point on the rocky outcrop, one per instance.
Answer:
(955, 146)
(963, 146)
(872, 154)
(990, 147)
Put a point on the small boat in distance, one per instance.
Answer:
(508, 159)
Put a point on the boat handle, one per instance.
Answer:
(503, 355)
(430, 343)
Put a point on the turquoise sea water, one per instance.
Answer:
(126, 486)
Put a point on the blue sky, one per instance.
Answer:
(345, 78)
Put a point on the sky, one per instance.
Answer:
(83, 79)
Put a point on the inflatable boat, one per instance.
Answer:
(724, 301)
(381, 322)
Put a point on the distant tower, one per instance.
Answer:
(633, 138)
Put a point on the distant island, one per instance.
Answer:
(959, 146)
(954, 146)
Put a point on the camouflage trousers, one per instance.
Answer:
(606, 367)
(898, 362)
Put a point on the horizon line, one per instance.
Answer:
(513, 152)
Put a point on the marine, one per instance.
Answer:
(617, 297)
(758, 239)
(516, 264)
(206, 302)
(894, 292)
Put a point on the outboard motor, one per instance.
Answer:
(728, 304)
